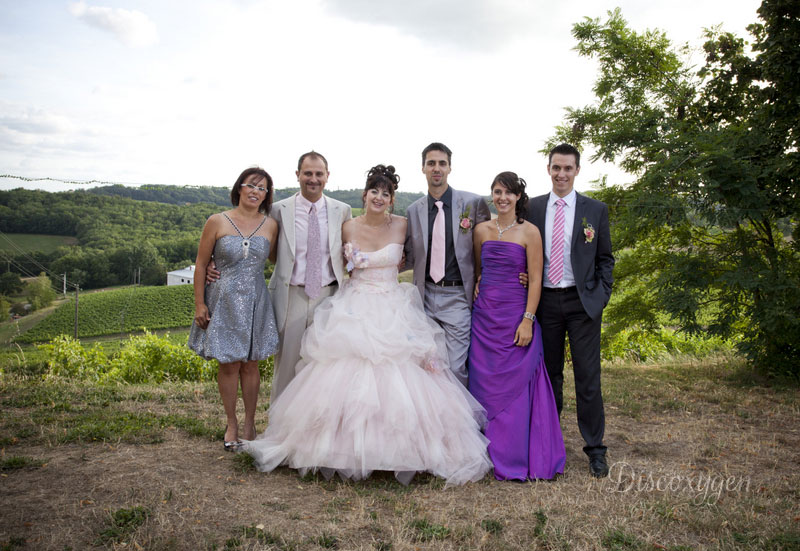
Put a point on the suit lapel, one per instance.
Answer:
(455, 215)
(577, 227)
(423, 220)
(333, 220)
(540, 215)
(288, 223)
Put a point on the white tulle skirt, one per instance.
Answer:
(373, 392)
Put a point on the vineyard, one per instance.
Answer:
(118, 311)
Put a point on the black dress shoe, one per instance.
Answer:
(598, 466)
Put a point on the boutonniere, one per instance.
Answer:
(465, 223)
(588, 231)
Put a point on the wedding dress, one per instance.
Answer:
(373, 390)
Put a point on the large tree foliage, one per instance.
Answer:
(709, 228)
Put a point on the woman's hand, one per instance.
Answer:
(524, 334)
(201, 316)
(477, 288)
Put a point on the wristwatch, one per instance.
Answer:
(528, 315)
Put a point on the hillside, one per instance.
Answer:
(34, 242)
(118, 311)
(109, 239)
(185, 195)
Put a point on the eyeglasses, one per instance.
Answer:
(255, 188)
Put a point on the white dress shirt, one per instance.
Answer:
(568, 279)
(302, 208)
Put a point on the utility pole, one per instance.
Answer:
(64, 291)
(76, 313)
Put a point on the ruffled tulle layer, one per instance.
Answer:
(363, 399)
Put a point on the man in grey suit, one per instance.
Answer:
(577, 282)
(294, 308)
(310, 226)
(439, 249)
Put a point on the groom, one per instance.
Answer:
(577, 283)
(439, 249)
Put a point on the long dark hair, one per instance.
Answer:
(515, 185)
(266, 204)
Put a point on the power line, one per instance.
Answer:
(31, 259)
(28, 274)
(65, 181)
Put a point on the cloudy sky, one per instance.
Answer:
(192, 92)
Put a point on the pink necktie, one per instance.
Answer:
(313, 282)
(556, 270)
(437, 244)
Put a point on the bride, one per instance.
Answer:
(373, 389)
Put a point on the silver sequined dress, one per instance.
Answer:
(242, 326)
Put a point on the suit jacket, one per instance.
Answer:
(416, 246)
(592, 263)
(283, 213)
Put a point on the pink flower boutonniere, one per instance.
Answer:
(465, 223)
(588, 231)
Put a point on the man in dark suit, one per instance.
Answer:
(577, 282)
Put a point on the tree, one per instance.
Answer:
(10, 284)
(40, 292)
(710, 224)
(5, 305)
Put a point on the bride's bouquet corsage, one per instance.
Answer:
(355, 258)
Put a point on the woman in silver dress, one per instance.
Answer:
(234, 322)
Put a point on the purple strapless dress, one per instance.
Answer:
(511, 382)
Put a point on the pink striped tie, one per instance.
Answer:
(556, 270)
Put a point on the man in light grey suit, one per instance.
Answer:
(294, 309)
(444, 271)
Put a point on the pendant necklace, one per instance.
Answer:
(504, 230)
(245, 240)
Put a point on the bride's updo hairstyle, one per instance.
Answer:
(382, 178)
(515, 185)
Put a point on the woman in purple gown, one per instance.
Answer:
(507, 374)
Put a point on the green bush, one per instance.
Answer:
(149, 358)
(144, 358)
(67, 358)
(645, 345)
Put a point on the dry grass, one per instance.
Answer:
(703, 457)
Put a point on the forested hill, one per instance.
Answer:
(182, 195)
(120, 236)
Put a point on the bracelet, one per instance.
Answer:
(529, 316)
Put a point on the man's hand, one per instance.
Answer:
(211, 273)
(523, 279)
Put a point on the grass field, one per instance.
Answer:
(34, 242)
(704, 455)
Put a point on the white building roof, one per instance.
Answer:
(188, 272)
